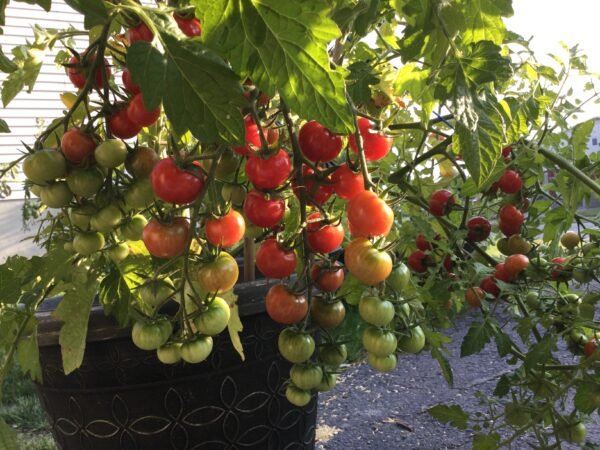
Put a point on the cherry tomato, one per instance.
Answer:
(346, 184)
(166, 240)
(190, 26)
(121, 126)
(44, 165)
(80, 217)
(506, 151)
(150, 335)
(414, 342)
(156, 292)
(318, 189)
(441, 203)
(295, 346)
(570, 240)
(56, 195)
(111, 153)
(560, 271)
(501, 274)
(333, 354)
(275, 261)
(139, 115)
(87, 243)
(327, 314)
(196, 350)
(106, 219)
(328, 279)
(375, 144)
(419, 261)
(128, 83)
(479, 228)
(376, 311)
(319, 144)
(118, 252)
(169, 353)
(489, 285)
(590, 348)
(79, 72)
(175, 185)
(219, 275)
(510, 214)
(269, 173)
(141, 162)
(515, 265)
(140, 32)
(422, 243)
(227, 230)
(574, 433)
(509, 229)
(252, 138)
(85, 182)
(474, 296)
(214, 319)
(382, 364)
(296, 396)
(285, 307)
(306, 376)
(399, 279)
(378, 341)
(263, 212)
(77, 146)
(366, 263)
(510, 182)
(323, 237)
(369, 215)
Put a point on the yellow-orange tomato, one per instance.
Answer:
(219, 275)
(366, 263)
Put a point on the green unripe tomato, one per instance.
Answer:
(379, 342)
(375, 311)
(111, 153)
(85, 182)
(196, 350)
(56, 195)
(155, 292)
(169, 353)
(139, 195)
(233, 193)
(68, 247)
(215, 319)
(296, 396)
(88, 242)
(382, 364)
(333, 354)
(532, 299)
(328, 382)
(80, 217)
(133, 229)
(413, 343)
(515, 415)
(106, 219)
(399, 279)
(44, 166)
(118, 252)
(306, 376)
(574, 433)
(147, 335)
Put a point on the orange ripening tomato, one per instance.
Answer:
(367, 263)
(369, 215)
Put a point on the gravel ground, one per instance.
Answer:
(368, 410)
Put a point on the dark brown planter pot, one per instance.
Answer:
(123, 398)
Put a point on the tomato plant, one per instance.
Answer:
(285, 307)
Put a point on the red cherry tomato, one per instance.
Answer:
(77, 146)
(190, 26)
(263, 212)
(175, 185)
(422, 243)
(488, 284)
(284, 307)
(227, 230)
(479, 228)
(474, 296)
(506, 151)
(275, 261)
(590, 348)
(560, 271)
(323, 238)
(319, 144)
(328, 279)
(346, 184)
(510, 182)
(139, 115)
(79, 73)
(448, 264)
(252, 138)
(271, 172)
(511, 215)
(515, 264)
(128, 84)
(508, 228)
(375, 144)
(501, 274)
(318, 190)
(441, 202)
(121, 126)
(166, 240)
(369, 215)
(140, 32)
(419, 261)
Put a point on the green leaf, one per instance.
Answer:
(477, 337)
(282, 47)
(580, 137)
(28, 357)
(45, 4)
(205, 85)
(364, 22)
(235, 327)
(360, 79)
(148, 69)
(351, 289)
(504, 343)
(483, 20)
(11, 284)
(486, 441)
(483, 63)
(115, 296)
(586, 397)
(416, 81)
(4, 127)
(94, 12)
(29, 61)
(74, 310)
(520, 113)
(453, 414)
(8, 438)
(540, 352)
(6, 65)
(502, 387)
(445, 366)
(481, 146)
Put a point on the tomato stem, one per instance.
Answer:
(359, 146)
(563, 163)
